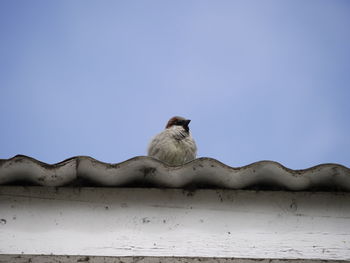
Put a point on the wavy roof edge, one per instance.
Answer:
(143, 170)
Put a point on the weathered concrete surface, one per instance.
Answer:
(124, 222)
(94, 259)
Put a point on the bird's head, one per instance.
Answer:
(178, 121)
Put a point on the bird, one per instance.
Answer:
(175, 145)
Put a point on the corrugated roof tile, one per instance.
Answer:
(147, 171)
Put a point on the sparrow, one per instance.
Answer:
(175, 145)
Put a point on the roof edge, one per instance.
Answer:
(203, 171)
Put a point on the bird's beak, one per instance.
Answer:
(185, 125)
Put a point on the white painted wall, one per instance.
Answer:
(170, 222)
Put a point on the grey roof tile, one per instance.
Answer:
(146, 171)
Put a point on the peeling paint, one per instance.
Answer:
(169, 222)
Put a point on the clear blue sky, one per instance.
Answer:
(260, 80)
